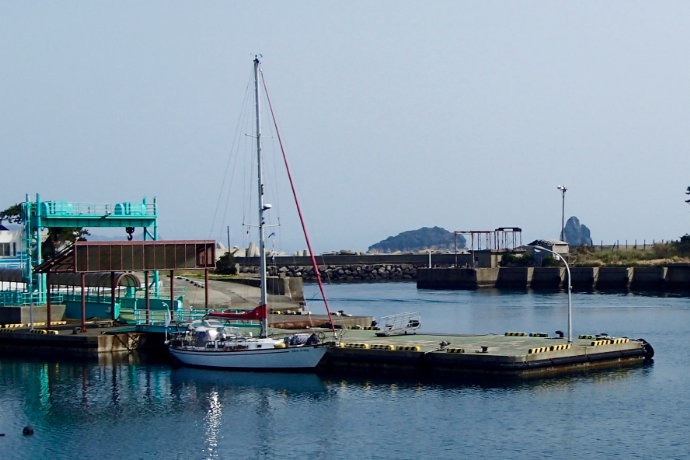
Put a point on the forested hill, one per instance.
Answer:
(435, 238)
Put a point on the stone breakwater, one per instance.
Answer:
(344, 273)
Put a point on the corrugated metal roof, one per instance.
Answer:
(105, 256)
(547, 243)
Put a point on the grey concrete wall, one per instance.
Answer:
(22, 314)
(276, 285)
(296, 286)
(648, 277)
(451, 278)
(547, 277)
(514, 277)
(486, 277)
(613, 277)
(584, 277)
(483, 258)
(678, 277)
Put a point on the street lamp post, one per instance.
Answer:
(563, 189)
(570, 304)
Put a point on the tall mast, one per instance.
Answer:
(262, 208)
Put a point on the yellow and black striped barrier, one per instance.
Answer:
(538, 334)
(455, 350)
(559, 347)
(380, 346)
(532, 351)
(407, 348)
(45, 331)
(361, 346)
(587, 337)
(14, 326)
(515, 334)
(618, 341)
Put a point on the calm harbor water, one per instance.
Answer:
(136, 409)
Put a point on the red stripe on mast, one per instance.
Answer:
(299, 210)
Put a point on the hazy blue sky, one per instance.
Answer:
(396, 114)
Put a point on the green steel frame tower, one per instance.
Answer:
(40, 215)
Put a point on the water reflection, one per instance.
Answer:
(419, 382)
(285, 383)
(213, 421)
(103, 389)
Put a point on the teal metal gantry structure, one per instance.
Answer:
(38, 215)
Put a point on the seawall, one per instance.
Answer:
(445, 274)
(674, 278)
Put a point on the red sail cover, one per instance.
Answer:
(260, 312)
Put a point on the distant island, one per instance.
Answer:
(425, 238)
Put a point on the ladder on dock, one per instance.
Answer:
(400, 324)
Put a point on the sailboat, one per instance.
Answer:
(209, 342)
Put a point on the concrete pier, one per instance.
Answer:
(63, 342)
(516, 354)
(22, 314)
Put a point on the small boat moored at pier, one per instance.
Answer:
(209, 343)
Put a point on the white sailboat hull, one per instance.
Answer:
(306, 357)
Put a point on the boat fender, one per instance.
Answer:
(649, 350)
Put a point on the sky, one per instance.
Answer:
(395, 115)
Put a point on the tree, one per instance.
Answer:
(57, 236)
(683, 246)
(226, 265)
(13, 214)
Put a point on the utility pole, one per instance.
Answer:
(563, 189)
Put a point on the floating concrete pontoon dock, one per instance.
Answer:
(65, 340)
(513, 353)
(516, 354)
